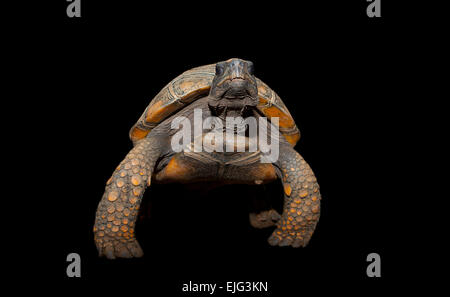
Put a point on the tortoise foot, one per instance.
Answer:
(264, 219)
(112, 248)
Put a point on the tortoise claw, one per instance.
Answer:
(264, 219)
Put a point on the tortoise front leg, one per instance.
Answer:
(117, 211)
(301, 208)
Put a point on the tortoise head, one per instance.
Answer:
(234, 90)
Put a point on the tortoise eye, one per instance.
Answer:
(219, 69)
(250, 68)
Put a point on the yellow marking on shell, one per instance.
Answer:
(109, 181)
(285, 119)
(126, 212)
(131, 230)
(314, 198)
(124, 228)
(111, 218)
(108, 225)
(293, 210)
(135, 162)
(287, 189)
(293, 138)
(111, 209)
(113, 195)
(297, 200)
(158, 112)
(315, 209)
(101, 233)
(116, 222)
(299, 219)
(120, 183)
(125, 221)
(133, 200)
(299, 212)
(149, 181)
(201, 87)
(138, 133)
(115, 229)
(136, 180)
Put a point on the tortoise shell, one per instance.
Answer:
(196, 83)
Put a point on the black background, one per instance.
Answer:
(336, 70)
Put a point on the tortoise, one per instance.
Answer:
(224, 98)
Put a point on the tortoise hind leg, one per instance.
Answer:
(262, 213)
(264, 219)
(118, 209)
(301, 201)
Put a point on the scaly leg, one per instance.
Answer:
(117, 211)
(301, 209)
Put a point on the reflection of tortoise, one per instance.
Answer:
(221, 92)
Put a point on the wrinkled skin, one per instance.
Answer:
(233, 93)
